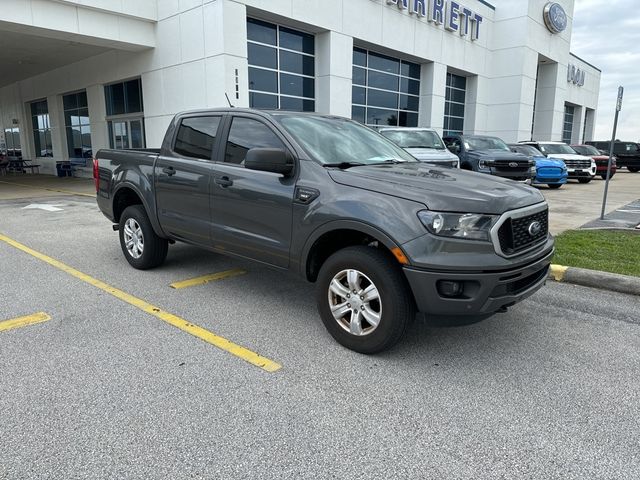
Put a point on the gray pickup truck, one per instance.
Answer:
(380, 233)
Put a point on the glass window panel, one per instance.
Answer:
(298, 41)
(358, 114)
(295, 85)
(137, 139)
(409, 69)
(377, 116)
(360, 57)
(297, 104)
(70, 101)
(359, 95)
(246, 133)
(359, 76)
(83, 114)
(456, 110)
(456, 81)
(384, 63)
(262, 32)
(82, 99)
(409, 103)
(378, 98)
(115, 99)
(457, 95)
(110, 127)
(407, 119)
(456, 123)
(86, 141)
(297, 63)
(382, 80)
(133, 96)
(263, 101)
(195, 137)
(410, 86)
(263, 80)
(262, 56)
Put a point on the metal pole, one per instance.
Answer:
(613, 140)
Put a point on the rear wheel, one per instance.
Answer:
(554, 185)
(634, 169)
(140, 245)
(364, 300)
(584, 180)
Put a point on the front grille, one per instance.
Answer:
(514, 236)
(577, 163)
(505, 165)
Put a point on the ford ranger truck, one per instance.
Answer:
(381, 234)
(485, 154)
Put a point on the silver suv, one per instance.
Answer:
(423, 143)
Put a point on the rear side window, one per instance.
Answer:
(196, 137)
(246, 133)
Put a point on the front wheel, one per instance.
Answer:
(633, 169)
(584, 180)
(141, 246)
(364, 300)
(554, 185)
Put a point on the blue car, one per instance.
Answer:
(549, 171)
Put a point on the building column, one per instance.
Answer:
(97, 114)
(433, 87)
(589, 124)
(549, 108)
(578, 124)
(58, 134)
(334, 62)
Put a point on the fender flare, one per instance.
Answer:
(151, 212)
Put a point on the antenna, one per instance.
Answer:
(225, 94)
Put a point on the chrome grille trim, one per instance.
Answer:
(514, 214)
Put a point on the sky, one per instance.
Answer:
(606, 33)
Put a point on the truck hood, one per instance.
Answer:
(569, 156)
(439, 188)
(431, 154)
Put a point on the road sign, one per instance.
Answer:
(613, 141)
(619, 103)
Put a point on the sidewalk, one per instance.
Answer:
(26, 185)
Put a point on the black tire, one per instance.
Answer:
(554, 185)
(396, 305)
(153, 248)
(584, 180)
(633, 169)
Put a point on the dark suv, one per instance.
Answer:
(627, 153)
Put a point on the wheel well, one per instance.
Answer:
(466, 166)
(123, 199)
(331, 242)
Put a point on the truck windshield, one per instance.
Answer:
(559, 148)
(586, 150)
(414, 138)
(336, 140)
(527, 150)
(485, 143)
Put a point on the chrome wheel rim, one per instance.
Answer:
(133, 238)
(355, 302)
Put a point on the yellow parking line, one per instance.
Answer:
(184, 325)
(24, 321)
(49, 189)
(208, 278)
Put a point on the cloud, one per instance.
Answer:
(607, 35)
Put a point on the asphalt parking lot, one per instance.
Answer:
(105, 388)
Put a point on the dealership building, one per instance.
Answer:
(80, 75)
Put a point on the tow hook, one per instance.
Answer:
(115, 227)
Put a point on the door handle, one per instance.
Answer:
(169, 170)
(224, 182)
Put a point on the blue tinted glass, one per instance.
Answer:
(382, 80)
(360, 57)
(298, 41)
(410, 86)
(262, 56)
(377, 116)
(297, 104)
(358, 114)
(295, 85)
(359, 76)
(70, 101)
(410, 70)
(260, 31)
(378, 98)
(409, 103)
(115, 99)
(358, 95)
(263, 80)
(407, 119)
(297, 63)
(384, 63)
(262, 100)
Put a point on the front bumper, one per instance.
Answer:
(581, 173)
(483, 293)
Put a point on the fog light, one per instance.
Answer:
(450, 288)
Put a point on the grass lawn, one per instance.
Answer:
(605, 250)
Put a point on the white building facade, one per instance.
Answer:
(81, 75)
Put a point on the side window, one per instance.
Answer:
(196, 137)
(246, 133)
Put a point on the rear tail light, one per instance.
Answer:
(96, 175)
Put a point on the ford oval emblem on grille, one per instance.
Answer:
(535, 228)
(513, 164)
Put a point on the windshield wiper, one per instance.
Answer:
(344, 165)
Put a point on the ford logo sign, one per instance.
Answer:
(535, 228)
(513, 164)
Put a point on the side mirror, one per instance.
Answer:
(273, 160)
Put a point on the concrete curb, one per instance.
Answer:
(595, 279)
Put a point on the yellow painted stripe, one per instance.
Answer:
(558, 271)
(50, 189)
(184, 325)
(208, 278)
(24, 321)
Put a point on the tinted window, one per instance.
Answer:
(246, 133)
(196, 137)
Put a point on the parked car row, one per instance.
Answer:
(534, 162)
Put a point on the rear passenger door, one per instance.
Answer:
(183, 178)
(252, 210)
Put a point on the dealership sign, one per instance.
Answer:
(453, 15)
(575, 75)
(555, 18)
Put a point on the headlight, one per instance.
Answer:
(482, 164)
(470, 226)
